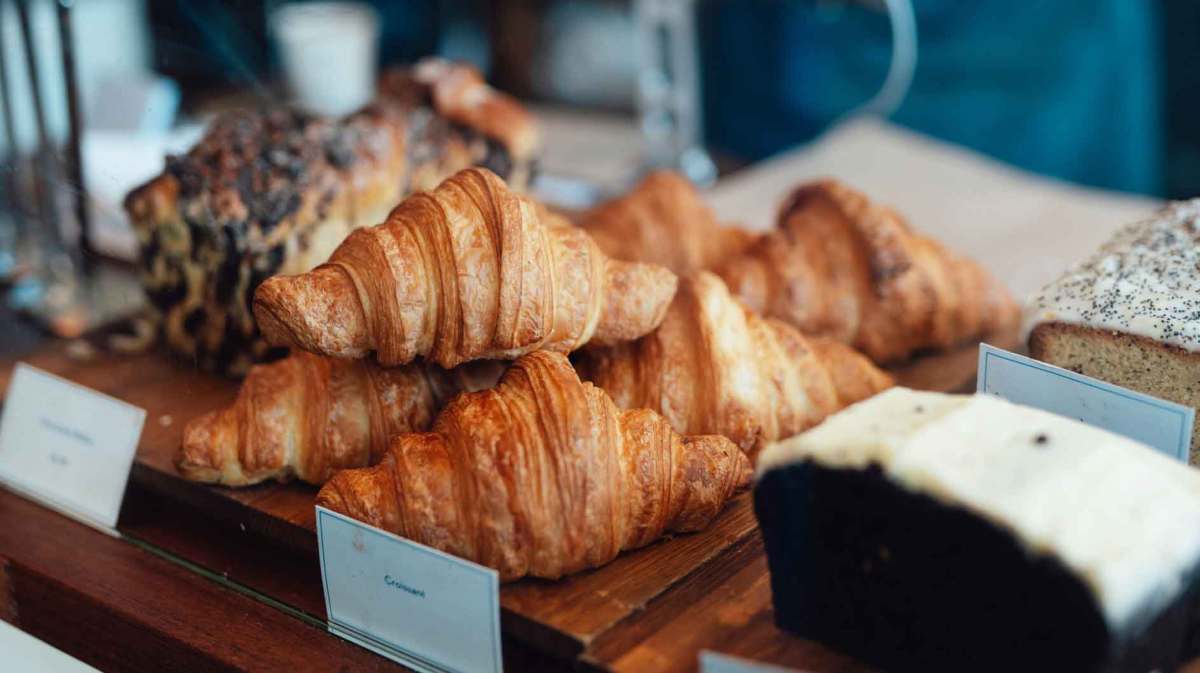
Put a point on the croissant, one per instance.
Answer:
(841, 267)
(542, 476)
(714, 367)
(663, 221)
(309, 416)
(467, 271)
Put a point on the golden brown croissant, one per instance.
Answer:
(542, 476)
(663, 221)
(467, 271)
(309, 416)
(842, 267)
(714, 367)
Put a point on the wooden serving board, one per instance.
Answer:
(119, 608)
(952, 371)
(562, 618)
(726, 608)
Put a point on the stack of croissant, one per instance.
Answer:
(430, 391)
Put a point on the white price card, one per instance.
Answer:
(413, 604)
(1165, 426)
(67, 446)
(712, 662)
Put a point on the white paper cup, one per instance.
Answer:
(328, 51)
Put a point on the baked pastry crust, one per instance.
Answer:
(276, 191)
(308, 416)
(664, 221)
(842, 267)
(542, 476)
(467, 271)
(459, 93)
(714, 367)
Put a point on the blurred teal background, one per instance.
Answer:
(1100, 92)
(1071, 88)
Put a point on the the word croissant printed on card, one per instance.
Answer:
(713, 366)
(307, 416)
(542, 475)
(470, 270)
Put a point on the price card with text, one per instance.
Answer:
(413, 604)
(67, 446)
(1165, 426)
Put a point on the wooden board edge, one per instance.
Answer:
(952, 371)
(230, 511)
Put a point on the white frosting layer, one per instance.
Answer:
(1145, 281)
(1122, 517)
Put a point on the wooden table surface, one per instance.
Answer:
(651, 609)
(118, 607)
(559, 618)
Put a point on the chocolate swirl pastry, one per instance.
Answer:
(275, 191)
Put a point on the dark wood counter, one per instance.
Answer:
(210, 578)
(118, 607)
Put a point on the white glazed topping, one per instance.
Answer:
(1145, 281)
(1122, 517)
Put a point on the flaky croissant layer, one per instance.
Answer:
(663, 220)
(468, 271)
(307, 416)
(714, 366)
(842, 267)
(542, 476)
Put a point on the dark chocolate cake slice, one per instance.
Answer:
(929, 532)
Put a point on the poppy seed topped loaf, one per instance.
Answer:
(1130, 314)
(946, 533)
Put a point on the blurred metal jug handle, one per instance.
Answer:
(668, 88)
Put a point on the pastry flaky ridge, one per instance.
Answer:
(836, 265)
(663, 220)
(467, 271)
(274, 191)
(843, 267)
(542, 476)
(714, 367)
(308, 416)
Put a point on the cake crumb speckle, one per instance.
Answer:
(1144, 281)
